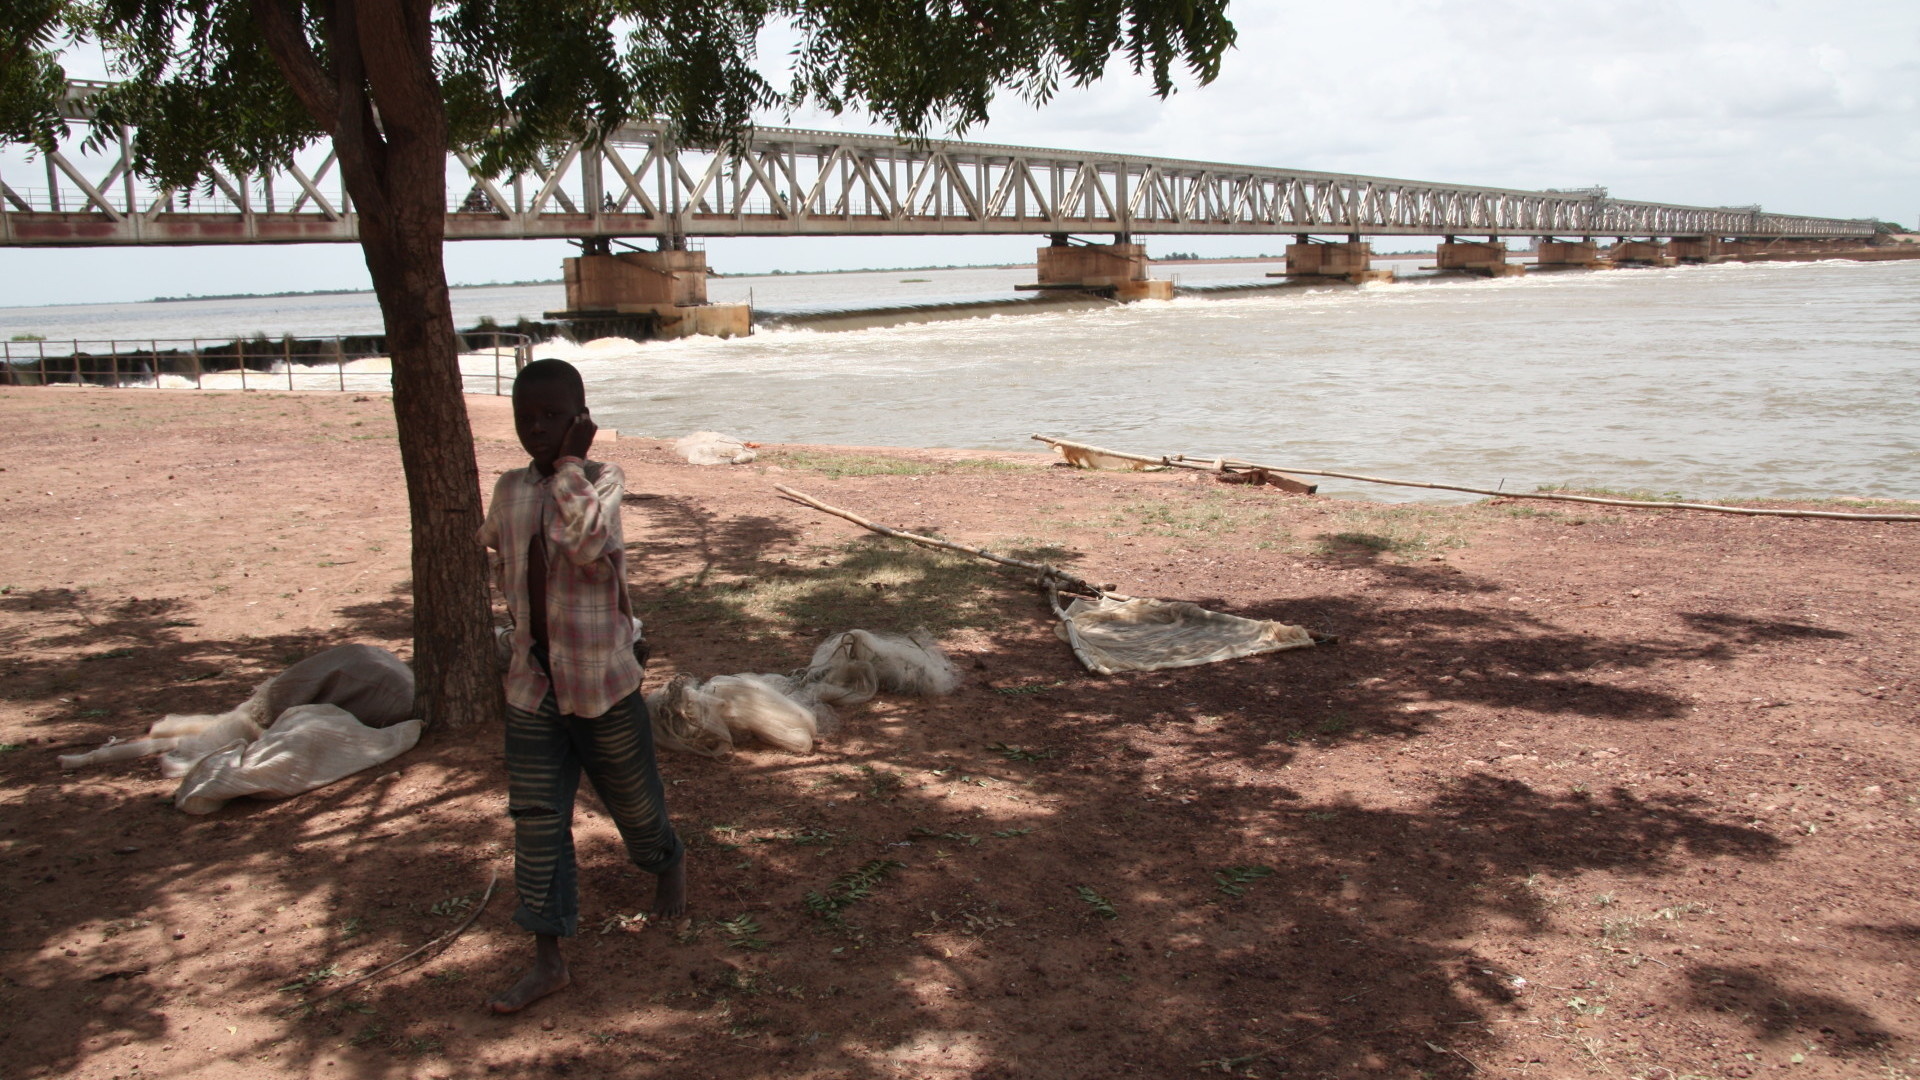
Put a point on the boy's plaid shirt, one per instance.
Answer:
(576, 512)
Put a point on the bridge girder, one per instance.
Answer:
(795, 182)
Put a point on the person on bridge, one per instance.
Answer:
(573, 682)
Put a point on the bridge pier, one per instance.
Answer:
(1351, 261)
(1694, 249)
(1117, 270)
(1567, 254)
(1641, 253)
(649, 294)
(1488, 259)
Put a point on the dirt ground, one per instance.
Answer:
(1616, 793)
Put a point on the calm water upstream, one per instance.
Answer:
(1739, 380)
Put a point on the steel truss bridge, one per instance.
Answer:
(791, 182)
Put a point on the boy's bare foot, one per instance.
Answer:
(547, 975)
(670, 896)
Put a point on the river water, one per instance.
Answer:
(1736, 380)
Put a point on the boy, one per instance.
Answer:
(573, 685)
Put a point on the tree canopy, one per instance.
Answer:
(393, 85)
(245, 83)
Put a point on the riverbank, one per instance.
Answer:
(1625, 791)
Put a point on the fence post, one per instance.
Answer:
(196, 364)
(113, 361)
(155, 346)
(340, 362)
(240, 348)
(77, 381)
(286, 351)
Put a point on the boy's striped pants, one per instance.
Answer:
(546, 752)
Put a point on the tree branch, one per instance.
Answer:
(286, 39)
(396, 43)
(356, 136)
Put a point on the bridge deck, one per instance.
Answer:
(794, 182)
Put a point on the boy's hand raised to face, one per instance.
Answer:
(579, 436)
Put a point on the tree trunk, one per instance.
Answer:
(452, 632)
(394, 162)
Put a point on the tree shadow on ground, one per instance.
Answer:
(1145, 892)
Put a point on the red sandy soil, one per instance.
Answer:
(1625, 793)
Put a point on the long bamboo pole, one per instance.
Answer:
(1214, 464)
(1049, 575)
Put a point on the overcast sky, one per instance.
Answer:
(1803, 107)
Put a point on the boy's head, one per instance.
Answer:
(548, 397)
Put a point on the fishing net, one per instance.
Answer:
(713, 448)
(1086, 457)
(852, 666)
(790, 712)
(1111, 635)
(309, 746)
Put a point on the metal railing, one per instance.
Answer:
(488, 362)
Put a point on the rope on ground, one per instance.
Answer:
(443, 940)
(1050, 577)
(1219, 464)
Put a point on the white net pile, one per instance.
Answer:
(713, 448)
(309, 746)
(316, 709)
(790, 712)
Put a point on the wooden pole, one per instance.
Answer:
(1049, 575)
(1185, 462)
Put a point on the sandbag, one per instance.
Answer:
(1111, 635)
(366, 680)
(309, 746)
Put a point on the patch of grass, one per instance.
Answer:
(1101, 905)
(878, 584)
(742, 932)
(1233, 880)
(1029, 688)
(1008, 834)
(839, 465)
(1619, 931)
(9, 747)
(1635, 494)
(368, 1033)
(110, 654)
(802, 838)
(453, 905)
(1394, 529)
(1015, 753)
(880, 782)
(1211, 513)
(311, 979)
(847, 890)
(836, 466)
(968, 839)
